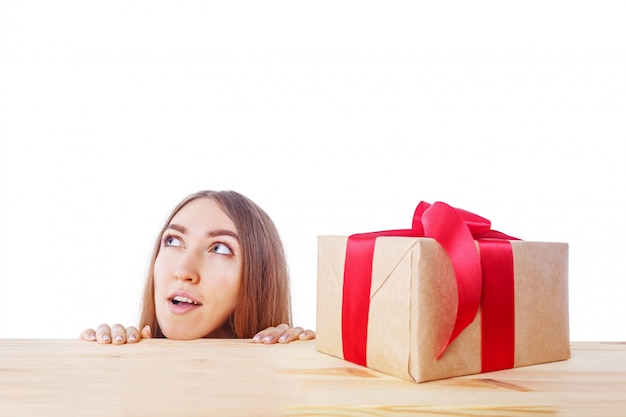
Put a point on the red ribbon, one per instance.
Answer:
(484, 280)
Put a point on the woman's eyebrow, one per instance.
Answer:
(223, 232)
(177, 227)
(212, 233)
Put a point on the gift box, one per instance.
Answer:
(446, 298)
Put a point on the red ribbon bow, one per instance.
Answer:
(483, 279)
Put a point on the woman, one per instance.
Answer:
(218, 270)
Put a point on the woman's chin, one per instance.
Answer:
(177, 332)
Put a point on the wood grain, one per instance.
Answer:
(239, 378)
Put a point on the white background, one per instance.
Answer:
(336, 117)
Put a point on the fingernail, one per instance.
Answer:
(257, 337)
(106, 337)
(268, 338)
(118, 338)
(302, 335)
(283, 338)
(92, 336)
(131, 338)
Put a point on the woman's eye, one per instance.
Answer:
(221, 249)
(172, 241)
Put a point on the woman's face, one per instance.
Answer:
(197, 273)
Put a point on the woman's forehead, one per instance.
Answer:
(203, 215)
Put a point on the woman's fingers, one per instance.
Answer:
(88, 335)
(290, 335)
(307, 335)
(146, 332)
(296, 333)
(116, 334)
(283, 334)
(103, 334)
(132, 335)
(271, 334)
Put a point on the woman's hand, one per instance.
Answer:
(283, 334)
(116, 334)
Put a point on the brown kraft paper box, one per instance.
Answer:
(413, 298)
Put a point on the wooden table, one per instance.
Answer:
(236, 377)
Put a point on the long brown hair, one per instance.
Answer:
(265, 295)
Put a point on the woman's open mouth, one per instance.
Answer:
(180, 304)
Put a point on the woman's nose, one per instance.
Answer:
(187, 268)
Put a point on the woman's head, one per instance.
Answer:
(218, 270)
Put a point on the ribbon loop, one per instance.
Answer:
(456, 231)
(446, 225)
